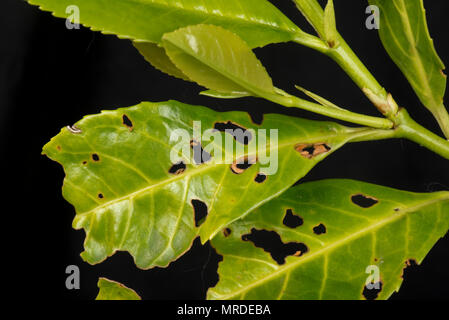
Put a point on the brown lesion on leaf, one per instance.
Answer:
(84, 162)
(127, 122)
(309, 151)
(260, 178)
(59, 148)
(177, 168)
(227, 232)
(271, 242)
(363, 200)
(95, 157)
(242, 164)
(100, 195)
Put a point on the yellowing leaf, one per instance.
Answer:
(130, 195)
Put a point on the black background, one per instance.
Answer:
(51, 77)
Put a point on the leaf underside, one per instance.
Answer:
(387, 228)
(119, 178)
(111, 290)
(258, 22)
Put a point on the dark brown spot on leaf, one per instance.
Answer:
(364, 201)
(127, 122)
(310, 151)
(177, 168)
(95, 157)
(271, 242)
(319, 229)
(292, 220)
(100, 195)
(227, 232)
(200, 211)
(58, 148)
(260, 178)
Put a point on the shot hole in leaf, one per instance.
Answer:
(127, 122)
(100, 195)
(364, 201)
(310, 151)
(239, 133)
(410, 265)
(319, 229)
(227, 232)
(260, 178)
(270, 241)
(242, 164)
(178, 168)
(199, 155)
(372, 292)
(95, 157)
(200, 211)
(292, 220)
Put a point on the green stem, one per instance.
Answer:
(340, 114)
(411, 130)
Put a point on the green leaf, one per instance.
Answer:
(111, 290)
(330, 26)
(405, 36)
(364, 226)
(158, 58)
(221, 95)
(120, 180)
(217, 59)
(258, 22)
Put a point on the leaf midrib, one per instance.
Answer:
(337, 244)
(194, 172)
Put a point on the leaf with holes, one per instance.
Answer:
(332, 239)
(111, 290)
(405, 36)
(133, 191)
(217, 59)
(257, 21)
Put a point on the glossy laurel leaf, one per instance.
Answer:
(329, 234)
(257, 21)
(111, 290)
(405, 36)
(158, 58)
(129, 195)
(217, 59)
